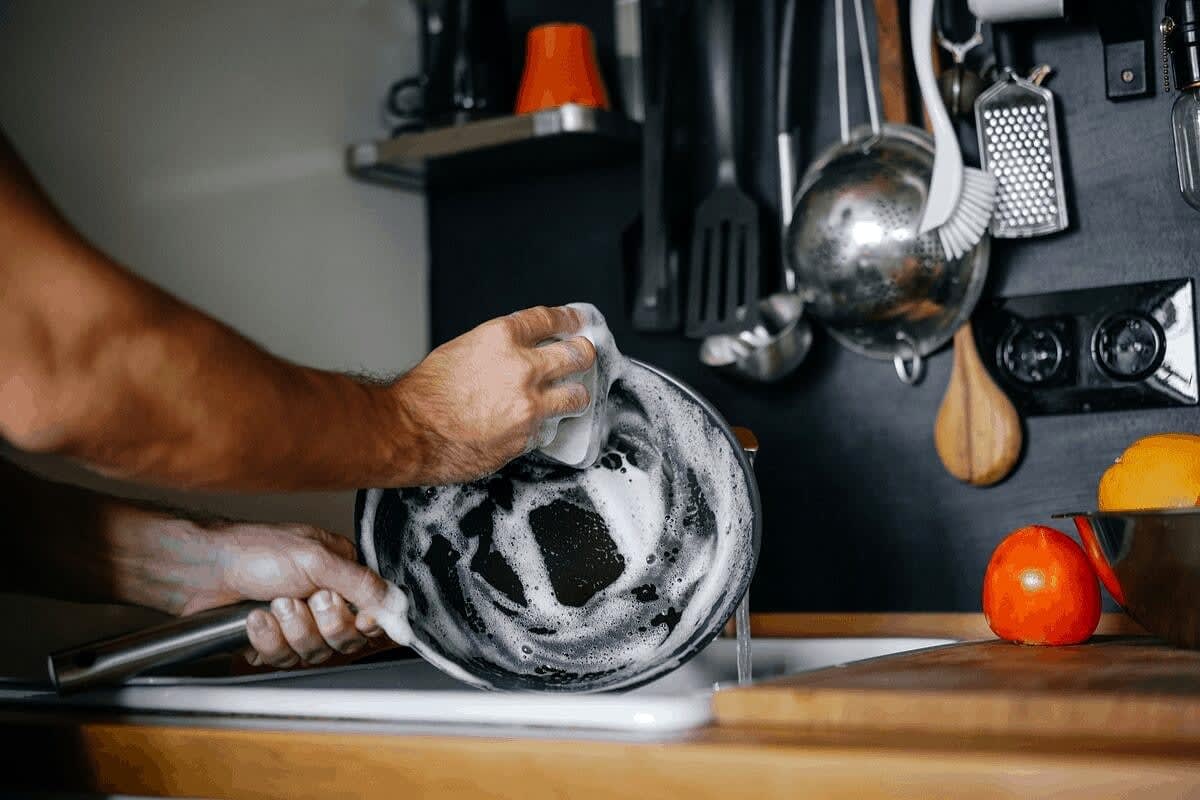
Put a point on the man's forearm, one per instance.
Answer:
(84, 546)
(184, 401)
(98, 365)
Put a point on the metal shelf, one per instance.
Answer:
(569, 135)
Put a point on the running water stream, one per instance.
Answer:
(742, 619)
(743, 639)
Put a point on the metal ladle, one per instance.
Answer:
(781, 338)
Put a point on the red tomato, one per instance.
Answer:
(1040, 589)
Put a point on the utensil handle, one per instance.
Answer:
(839, 33)
(748, 442)
(947, 178)
(721, 19)
(783, 115)
(893, 86)
(921, 24)
(657, 302)
(785, 144)
(111, 661)
(783, 81)
(864, 52)
(1005, 44)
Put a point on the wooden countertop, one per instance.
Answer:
(74, 752)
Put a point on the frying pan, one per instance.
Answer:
(539, 577)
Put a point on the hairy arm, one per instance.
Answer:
(98, 365)
(84, 546)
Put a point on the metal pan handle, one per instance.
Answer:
(111, 661)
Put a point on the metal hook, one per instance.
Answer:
(908, 369)
(958, 50)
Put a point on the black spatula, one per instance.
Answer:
(723, 282)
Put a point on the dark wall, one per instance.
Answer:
(859, 514)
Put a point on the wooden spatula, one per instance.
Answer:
(977, 432)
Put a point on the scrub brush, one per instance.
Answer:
(961, 199)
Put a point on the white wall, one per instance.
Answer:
(201, 144)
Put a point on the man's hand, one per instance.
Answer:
(310, 577)
(479, 401)
(87, 348)
(80, 545)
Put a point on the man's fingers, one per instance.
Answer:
(535, 325)
(267, 638)
(351, 580)
(565, 400)
(335, 622)
(300, 630)
(568, 357)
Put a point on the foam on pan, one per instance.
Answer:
(551, 578)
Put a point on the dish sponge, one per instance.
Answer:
(575, 441)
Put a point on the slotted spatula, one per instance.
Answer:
(723, 281)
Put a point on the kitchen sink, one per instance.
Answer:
(413, 696)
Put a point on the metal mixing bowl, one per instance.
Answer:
(881, 289)
(1150, 563)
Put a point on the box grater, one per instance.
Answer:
(1018, 144)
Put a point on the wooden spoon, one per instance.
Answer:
(977, 433)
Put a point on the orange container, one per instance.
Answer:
(560, 68)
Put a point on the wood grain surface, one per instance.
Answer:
(892, 47)
(937, 625)
(109, 756)
(887, 738)
(1123, 688)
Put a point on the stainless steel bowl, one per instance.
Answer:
(1150, 563)
(881, 289)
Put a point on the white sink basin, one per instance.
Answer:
(416, 696)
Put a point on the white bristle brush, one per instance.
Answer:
(961, 198)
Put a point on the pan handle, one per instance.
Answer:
(111, 661)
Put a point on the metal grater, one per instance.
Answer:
(1018, 144)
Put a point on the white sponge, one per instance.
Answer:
(576, 440)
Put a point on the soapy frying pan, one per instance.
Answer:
(553, 579)
(540, 577)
